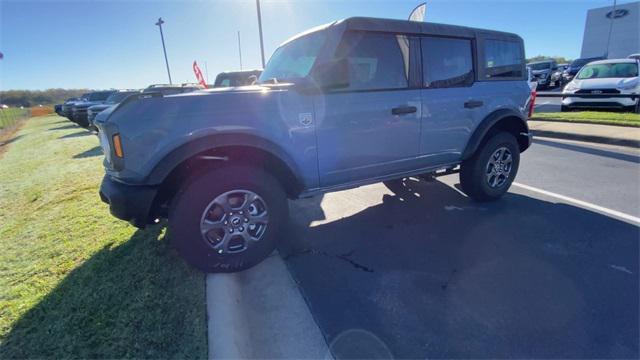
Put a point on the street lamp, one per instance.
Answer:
(260, 31)
(159, 23)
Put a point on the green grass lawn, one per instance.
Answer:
(596, 117)
(10, 116)
(74, 281)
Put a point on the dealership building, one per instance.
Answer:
(612, 33)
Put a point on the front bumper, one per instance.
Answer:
(610, 103)
(131, 203)
(80, 117)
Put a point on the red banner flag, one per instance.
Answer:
(198, 72)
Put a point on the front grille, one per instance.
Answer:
(598, 91)
(599, 104)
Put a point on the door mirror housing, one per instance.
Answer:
(332, 75)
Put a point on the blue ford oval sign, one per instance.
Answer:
(618, 13)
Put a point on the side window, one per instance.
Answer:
(503, 59)
(225, 82)
(376, 60)
(447, 62)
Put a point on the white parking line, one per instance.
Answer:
(584, 204)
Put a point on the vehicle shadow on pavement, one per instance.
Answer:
(95, 151)
(429, 273)
(133, 300)
(589, 150)
(75, 135)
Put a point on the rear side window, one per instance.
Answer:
(447, 62)
(503, 59)
(376, 61)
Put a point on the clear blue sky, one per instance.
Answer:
(114, 44)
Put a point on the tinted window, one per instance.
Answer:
(503, 59)
(447, 62)
(376, 61)
(99, 96)
(117, 97)
(540, 66)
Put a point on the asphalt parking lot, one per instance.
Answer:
(548, 104)
(426, 273)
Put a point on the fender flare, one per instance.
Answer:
(215, 141)
(485, 126)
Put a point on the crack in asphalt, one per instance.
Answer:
(344, 257)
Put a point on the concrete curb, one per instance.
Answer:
(588, 138)
(582, 122)
(260, 313)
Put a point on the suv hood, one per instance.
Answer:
(228, 100)
(608, 83)
(86, 104)
(538, 72)
(100, 107)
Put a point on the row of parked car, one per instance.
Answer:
(83, 110)
(593, 76)
(550, 74)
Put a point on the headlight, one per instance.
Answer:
(627, 85)
(570, 87)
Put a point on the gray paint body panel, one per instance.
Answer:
(328, 140)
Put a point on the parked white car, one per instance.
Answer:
(614, 76)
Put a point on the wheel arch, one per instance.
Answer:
(214, 151)
(505, 120)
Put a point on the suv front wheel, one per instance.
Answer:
(227, 219)
(488, 174)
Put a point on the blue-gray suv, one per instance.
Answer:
(350, 103)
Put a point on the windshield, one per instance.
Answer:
(540, 66)
(294, 59)
(99, 96)
(613, 70)
(117, 97)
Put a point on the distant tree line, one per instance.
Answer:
(28, 98)
(558, 59)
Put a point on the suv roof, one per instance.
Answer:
(411, 27)
(406, 26)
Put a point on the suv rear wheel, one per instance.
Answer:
(227, 219)
(488, 174)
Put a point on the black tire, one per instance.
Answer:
(564, 108)
(188, 207)
(473, 171)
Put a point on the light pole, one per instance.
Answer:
(240, 50)
(260, 31)
(613, 16)
(159, 23)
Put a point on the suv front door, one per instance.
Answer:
(372, 127)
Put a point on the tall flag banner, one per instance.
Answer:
(198, 72)
(418, 13)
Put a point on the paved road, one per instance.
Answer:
(548, 104)
(428, 273)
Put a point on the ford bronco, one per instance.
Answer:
(354, 102)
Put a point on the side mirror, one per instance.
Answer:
(332, 75)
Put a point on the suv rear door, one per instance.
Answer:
(451, 104)
(372, 127)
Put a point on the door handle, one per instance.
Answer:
(401, 110)
(473, 104)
